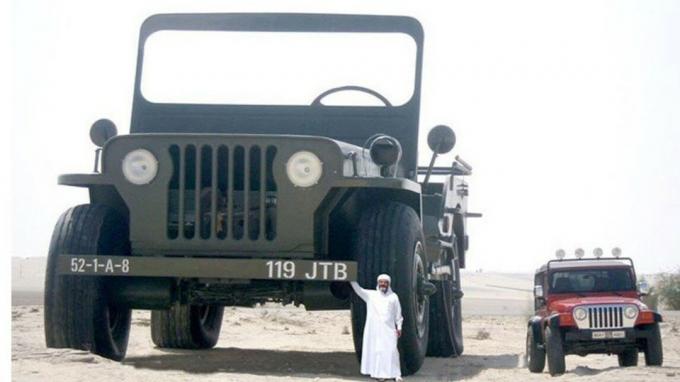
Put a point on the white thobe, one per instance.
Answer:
(379, 355)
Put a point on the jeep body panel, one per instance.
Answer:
(301, 213)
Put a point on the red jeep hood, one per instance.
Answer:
(567, 304)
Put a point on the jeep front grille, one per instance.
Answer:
(605, 317)
(222, 192)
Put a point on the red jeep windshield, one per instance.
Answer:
(591, 280)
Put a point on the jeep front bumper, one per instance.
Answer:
(218, 268)
(609, 341)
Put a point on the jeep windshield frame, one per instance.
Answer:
(606, 277)
(352, 124)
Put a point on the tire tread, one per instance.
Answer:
(180, 328)
(378, 242)
(76, 306)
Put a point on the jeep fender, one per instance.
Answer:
(552, 321)
(535, 324)
(101, 189)
(398, 189)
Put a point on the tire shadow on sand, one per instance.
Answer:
(466, 366)
(587, 371)
(252, 361)
(309, 364)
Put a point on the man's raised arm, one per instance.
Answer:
(361, 292)
(398, 318)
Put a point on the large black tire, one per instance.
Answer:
(535, 353)
(554, 350)
(446, 318)
(389, 239)
(78, 311)
(187, 326)
(653, 348)
(628, 358)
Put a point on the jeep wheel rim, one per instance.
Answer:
(203, 314)
(420, 296)
(527, 351)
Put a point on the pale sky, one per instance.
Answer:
(568, 112)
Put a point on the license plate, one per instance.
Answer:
(309, 270)
(262, 269)
(616, 334)
(105, 265)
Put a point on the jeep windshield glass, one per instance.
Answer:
(591, 280)
(277, 68)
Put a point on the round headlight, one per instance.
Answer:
(630, 312)
(140, 166)
(580, 314)
(304, 169)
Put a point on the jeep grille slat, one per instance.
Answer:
(263, 194)
(189, 226)
(230, 194)
(246, 196)
(197, 192)
(222, 192)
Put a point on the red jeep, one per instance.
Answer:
(592, 305)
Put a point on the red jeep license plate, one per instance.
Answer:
(609, 335)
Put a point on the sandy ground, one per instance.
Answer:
(275, 343)
(289, 344)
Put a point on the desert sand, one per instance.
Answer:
(288, 344)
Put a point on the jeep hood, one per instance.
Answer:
(567, 304)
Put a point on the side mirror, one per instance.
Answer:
(538, 291)
(441, 139)
(643, 288)
(101, 131)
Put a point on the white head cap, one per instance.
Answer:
(385, 277)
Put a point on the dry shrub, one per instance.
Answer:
(482, 334)
(668, 287)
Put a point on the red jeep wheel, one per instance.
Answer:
(653, 348)
(628, 358)
(535, 355)
(554, 350)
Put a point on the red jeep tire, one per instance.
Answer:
(535, 353)
(628, 358)
(653, 348)
(554, 349)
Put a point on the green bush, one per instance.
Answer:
(652, 298)
(668, 288)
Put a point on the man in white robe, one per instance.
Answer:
(379, 355)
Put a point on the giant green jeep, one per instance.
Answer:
(211, 202)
